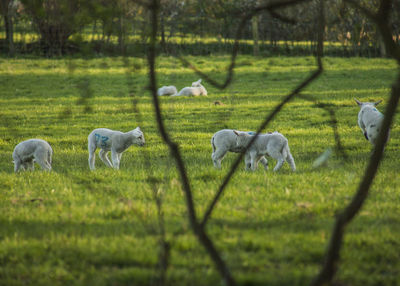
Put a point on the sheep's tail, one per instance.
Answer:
(49, 156)
(286, 154)
(212, 144)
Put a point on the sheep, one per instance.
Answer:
(370, 120)
(196, 89)
(26, 152)
(224, 141)
(167, 90)
(272, 144)
(115, 141)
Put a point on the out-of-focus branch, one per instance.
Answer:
(271, 7)
(271, 116)
(175, 153)
(332, 257)
(338, 142)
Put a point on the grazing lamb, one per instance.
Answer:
(167, 90)
(370, 120)
(224, 141)
(272, 144)
(33, 149)
(115, 141)
(196, 89)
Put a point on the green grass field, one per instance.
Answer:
(76, 227)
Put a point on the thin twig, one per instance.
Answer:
(338, 142)
(332, 256)
(271, 116)
(175, 153)
(272, 7)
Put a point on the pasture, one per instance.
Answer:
(77, 227)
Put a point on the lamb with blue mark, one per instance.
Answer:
(115, 141)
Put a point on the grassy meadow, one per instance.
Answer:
(76, 227)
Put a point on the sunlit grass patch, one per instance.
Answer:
(78, 227)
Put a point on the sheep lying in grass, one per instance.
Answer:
(272, 144)
(33, 149)
(195, 90)
(115, 141)
(370, 120)
(167, 90)
(224, 141)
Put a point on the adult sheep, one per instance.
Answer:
(115, 141)
(272, 144)
(26, 152)
(370, 120)
(224, 141)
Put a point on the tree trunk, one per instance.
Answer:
(8, 25)
(256, 48)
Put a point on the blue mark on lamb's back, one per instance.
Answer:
(252, 133)
(101, 139)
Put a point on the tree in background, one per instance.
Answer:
(57, 20)
(7, 9)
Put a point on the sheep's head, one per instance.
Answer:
(242, 138)
(197, 83)
(138, 137)
(361, 104)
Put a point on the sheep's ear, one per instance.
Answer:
(376, 103)
(358, 102)
(199, 81)
(236, 133)
(138, 128)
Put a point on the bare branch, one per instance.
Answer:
(175, 153)
(271, 116)
(339, 146)
(271, 7)
(332, 257)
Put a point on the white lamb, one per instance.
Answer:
(272, 144)
(115, 141)
(370, 120)
(224, 141)
(26, 152)
(167, 90)
(195, 90)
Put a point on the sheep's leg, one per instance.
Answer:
(264, 161)
(17, 165)
(92, 156)
(40, 158)
(114, 158)
(253, 157)
(279, 164)
(119, 157)
(45, 166)
(104, 158)
(28, 165)
(217, 157)
(280, 159)
(290, 160)
(247, 161)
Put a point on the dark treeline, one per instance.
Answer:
(198, 27)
